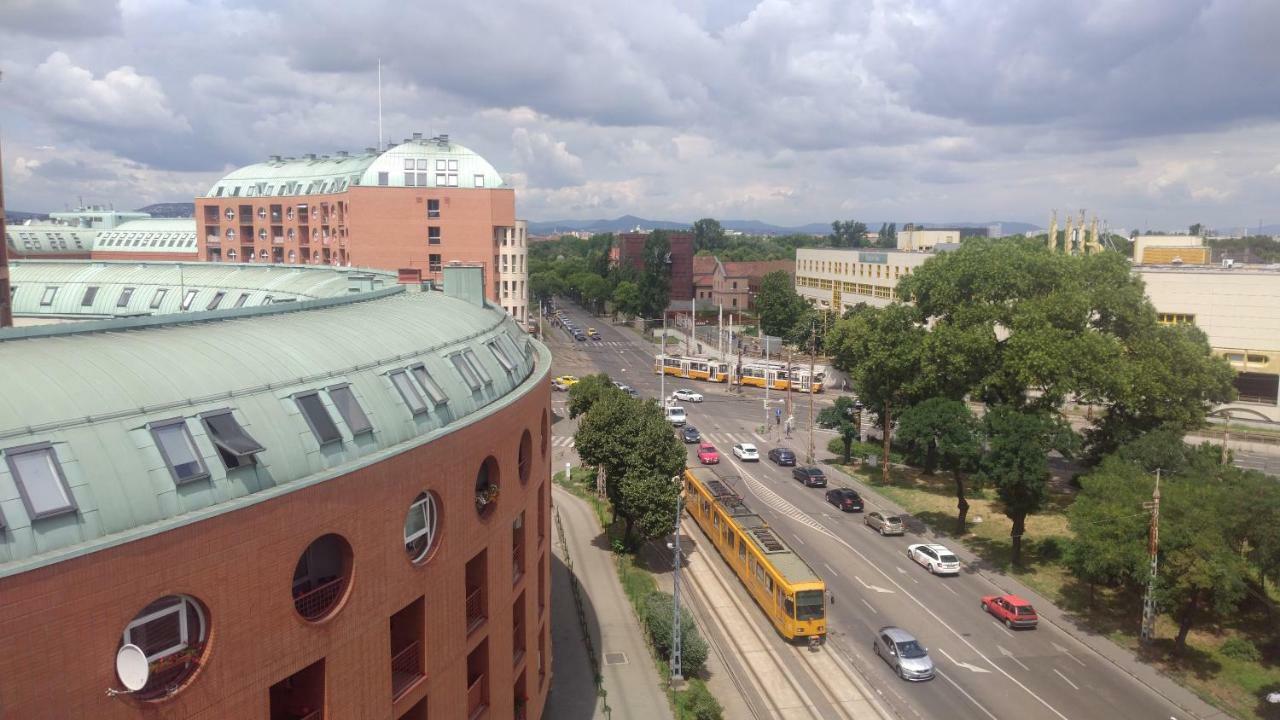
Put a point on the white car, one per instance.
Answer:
(746, 452)
(675, 415)
(687, 395)
(937, 559)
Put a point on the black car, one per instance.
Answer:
(810, 476)
(690, 434)
(846, 499)
(579, 337)
(783, 456)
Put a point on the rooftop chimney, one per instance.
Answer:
(310, 156)
(371, 151)
(274, 158)
(342, 153)
(417, 136)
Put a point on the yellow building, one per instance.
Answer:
(845, 277)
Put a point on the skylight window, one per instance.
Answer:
(49, 294)
(40, 481)
(349, 408)
(429, 384)
(244, 297)
(235, 446)
(408, 391)
(500, 354)
(464, 368)
(215, 301)
(186, 300)
(173, 438)
(155, 299)
(318, 418)
(90, 293)
(478, 367)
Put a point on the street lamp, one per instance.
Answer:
(677, 674)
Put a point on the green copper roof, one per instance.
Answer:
(97, 392)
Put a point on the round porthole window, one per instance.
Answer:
(420, 527)
(171, 634)
(322, 577)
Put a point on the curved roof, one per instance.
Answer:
(436, 162)
(152, 235)
(94, 396)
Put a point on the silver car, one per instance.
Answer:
(883, 524)
(903, 653)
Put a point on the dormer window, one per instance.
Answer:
(429, 384)
(318, 417)
(40, 481)
(235, 446)
(173, 439)
(501, 355)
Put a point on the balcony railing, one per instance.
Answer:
(477, 697)
(517, 655)
(517, 564)
(475, 609)
(316, 603)
(406, 670)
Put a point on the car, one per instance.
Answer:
(707, 454)
(568, 380)
(846, 499)
(591, 331)
(558, 386)
(810, 476)
(746, 452)
(675, 415)
(935, 558)
(884, 524)
(631, 391)
(596, 338)
(903, 653)
(687, 395)
(579, 337)
(690, 434)
(1011, 610)
(782, 457)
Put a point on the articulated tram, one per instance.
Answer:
(694, 368)
(784, 586)
(755, 373)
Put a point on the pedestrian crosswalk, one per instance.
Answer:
(562, 441)
(717, 438)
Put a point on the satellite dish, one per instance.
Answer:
(132, 667)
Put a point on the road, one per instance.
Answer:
(984, 670)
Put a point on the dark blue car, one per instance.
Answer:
(690, 434)
(782, 456)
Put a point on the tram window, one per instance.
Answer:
(742, 552)
(809, 605)
(790, 605)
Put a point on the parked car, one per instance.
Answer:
(903, 653)
(687, 395)
(579, 337)
(935, 558)
(810, 476)
(690, 434)
(707, 454)
(884, 524)
(1011, 610)
(568, 380)
(782, 457)
(846, 499)
(675, 415)
(558, 386)
(746, 452)
(597, 337)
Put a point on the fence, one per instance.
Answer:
(592, 658)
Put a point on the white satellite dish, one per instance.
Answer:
(132, 667)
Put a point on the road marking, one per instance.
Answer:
(1064, 651)
(1009, 655)
(1005, 630)
(864, 602)
(966, 666)
(1064, 679)
(953, 592)
(802, 542)
(962, 692)
(833, 570)
(875, 588)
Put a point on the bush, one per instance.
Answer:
(861, 450)
(697, 703)
(658, 608)
(1050, 549)
(1240, 649)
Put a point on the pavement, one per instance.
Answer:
(630, 679)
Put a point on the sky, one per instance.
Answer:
(1151, 115)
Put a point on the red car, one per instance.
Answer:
(707, 454)
(1012, 610)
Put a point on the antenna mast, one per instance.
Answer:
(379, 104)
(1149, 602)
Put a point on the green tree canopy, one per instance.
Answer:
(848, 234)
(626, 298)
(707, 234)
(545, 285)
(588, 391)
(778, 304)
(842, 416)
(942, 431)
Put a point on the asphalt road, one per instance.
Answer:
(984, 670)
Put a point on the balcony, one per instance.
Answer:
(517, 564)
(406, 670)
(477, 697)
(212, 240)
(475, 609)
(316, 603)
(277, 239)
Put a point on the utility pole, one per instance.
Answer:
(662, 364)
(791, 377)
(677, 675)
(1226, 438)
(1149, 601)
(813, 348)
(767, 380)
(692, 329)
(720, 334)
(6, 309)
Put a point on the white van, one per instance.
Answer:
(675, 415)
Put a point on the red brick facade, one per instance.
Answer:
(631, 252)
(61, 624)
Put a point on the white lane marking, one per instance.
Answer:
(833, 570)
(966, 666)
(802, 542)
(962, 692)
(953, 592)
(1064, 651)
(1009, 655)
(875, 588)
(1005, 630)
(1064, 679)
(775, 500)
(864, 602)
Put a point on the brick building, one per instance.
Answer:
(733, 284)
(332, 507)
(630, 251)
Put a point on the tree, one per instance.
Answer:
(545, 285)
(1197, 229)
(655, 279)
(1016, 462)
(941, 431)
(626, 298)
(848, 234)
(881, 349)
(594, 290)
(778, 304)
(843, 416)
(588, 391)
(1110, 530)
(707, 234)
(649, 497)
(659, 612)
(888, 235)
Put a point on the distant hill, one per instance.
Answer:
(170, 210)
(753, 227)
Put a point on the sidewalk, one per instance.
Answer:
(630, 678)
(1121, 658)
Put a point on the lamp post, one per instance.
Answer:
(677, 674)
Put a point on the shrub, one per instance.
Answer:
(697, 703)
(861, 450)
(1239, 648)
(658, 608)
(1050, 549)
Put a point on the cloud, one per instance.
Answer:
(547, 162)
(122, 99)
(60, 19)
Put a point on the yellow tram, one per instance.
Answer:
(784, 586)
(693, 368)
(778, 377)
